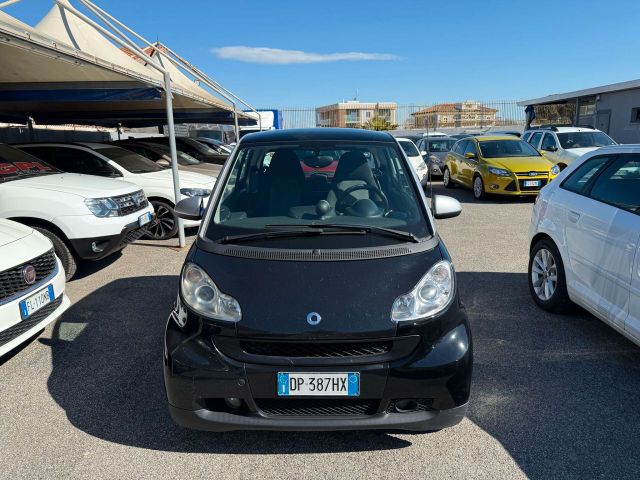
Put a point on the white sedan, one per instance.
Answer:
(31, 284)
(585, 239)
(416, 160)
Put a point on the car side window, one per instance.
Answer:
(471, 148)
(535, 139)
(619, 184)
(74, 160)
(526, 136)
(460, 147)
(549, 142)
(578, 181)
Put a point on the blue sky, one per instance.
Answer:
(404, 51)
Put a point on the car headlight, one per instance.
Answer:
(500, 172)
(103, 207)
(203, 296)
(432, 294)
(195, 192)
(555, 170)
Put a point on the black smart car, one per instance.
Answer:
(318, 300)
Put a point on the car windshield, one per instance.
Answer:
(132, 162)
(183, 158)
(309, 183)
(16, 164)
(507, 148)
(200, 147)
(570, 140)
(441, 145)
(409, 148)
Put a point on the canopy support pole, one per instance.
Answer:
(174, 153)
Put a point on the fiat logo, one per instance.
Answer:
(29, 274)
(313, 318)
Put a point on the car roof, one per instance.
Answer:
(563, 129)
(496, 137)
(303, 134)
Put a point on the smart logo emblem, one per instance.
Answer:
(313, 318)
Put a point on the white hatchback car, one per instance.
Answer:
(416, 159)
(585, 239)
(31, 284)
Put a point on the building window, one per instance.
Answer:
(635, 115)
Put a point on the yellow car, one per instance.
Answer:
(504, 165)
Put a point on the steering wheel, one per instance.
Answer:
(341, 203)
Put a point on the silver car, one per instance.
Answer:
(434, 150)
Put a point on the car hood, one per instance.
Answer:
(88, 186)
(521, 164)
(578, 152)
(12, 231)
(186, 178)
(353, 298)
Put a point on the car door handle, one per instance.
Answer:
(573, 216)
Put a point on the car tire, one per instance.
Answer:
(446, 179)
(165, 225)
(547, 281)
(62, 251)
(478, 188)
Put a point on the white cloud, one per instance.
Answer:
(278, 56)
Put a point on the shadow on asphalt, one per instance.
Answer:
(560, 393)
(107, 376)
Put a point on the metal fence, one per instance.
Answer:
(446, 116)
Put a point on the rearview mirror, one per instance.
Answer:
(445, 207)
(190, 208)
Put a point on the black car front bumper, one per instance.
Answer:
(105, 246)
(435, 374)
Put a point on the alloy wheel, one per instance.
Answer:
(478, 187)
(446, 179)
(163, 225)
(544, 274)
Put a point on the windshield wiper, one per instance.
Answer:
(281, 234)
(355, 228)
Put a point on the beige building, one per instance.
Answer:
(354, 114)
(466, 114)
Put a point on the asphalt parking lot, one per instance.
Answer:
(553, 396)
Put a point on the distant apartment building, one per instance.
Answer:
(466, 114)
(354, 114)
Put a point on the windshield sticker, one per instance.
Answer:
(18, 169)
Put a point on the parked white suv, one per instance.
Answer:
(31, 284)
(107, 160)
(85, 217)
(562, 145)
(585, 239)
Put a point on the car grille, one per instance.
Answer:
(132, 236)
(316, 407)
(131, 202)
(316, 350)
(19, 328)
(12, 281)
(543, 182)
(532, 174)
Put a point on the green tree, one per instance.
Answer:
(379, 123)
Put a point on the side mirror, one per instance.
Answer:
(190, 208)
(445, 207)
(423, 153)
(470, 155)
(551, 148)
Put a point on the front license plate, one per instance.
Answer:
(532, 183)
(144, 219)
(315, 384)
(36, 301)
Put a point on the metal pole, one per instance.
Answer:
(174, 153)
(235, 121)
